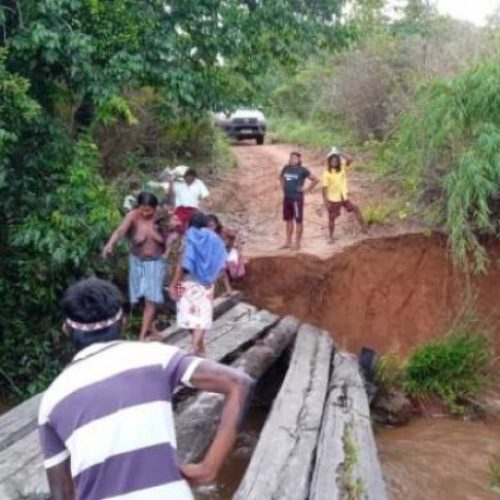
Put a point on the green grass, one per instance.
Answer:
(454, 367)
(305, 133)
(385, 212)
(494, 472)
(353, 487)
(223, 155)
(390, 371)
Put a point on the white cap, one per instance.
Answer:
(180, 170)
(333, 151)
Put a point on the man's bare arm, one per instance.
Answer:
(60, 482)
(237, 388)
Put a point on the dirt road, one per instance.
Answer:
(251, 200)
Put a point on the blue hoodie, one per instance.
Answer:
(205, 255)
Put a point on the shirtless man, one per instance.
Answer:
(292, 178)
(147, 262)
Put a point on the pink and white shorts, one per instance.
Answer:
(195, 307)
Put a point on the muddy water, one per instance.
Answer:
(439, 459)
(235, 467)
(429, 459)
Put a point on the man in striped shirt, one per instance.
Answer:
(106, 423)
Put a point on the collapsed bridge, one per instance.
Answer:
(317, 441)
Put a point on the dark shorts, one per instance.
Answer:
(334, 207)
(293, 210)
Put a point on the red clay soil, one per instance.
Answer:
(388, 293)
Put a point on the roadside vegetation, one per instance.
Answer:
(494, 472)
(453, 368)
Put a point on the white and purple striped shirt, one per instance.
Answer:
(110, 412)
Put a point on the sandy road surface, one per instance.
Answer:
(251, 200)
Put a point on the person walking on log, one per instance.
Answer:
(106, 424)
(335, 193)
(147, 262)
(188, 195)
(200, 265)
(292, 178)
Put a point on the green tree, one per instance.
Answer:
(68, 67)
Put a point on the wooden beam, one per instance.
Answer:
(18, 421)
(283, 461)
(347, 464)
(233, 331)
(21, 470)
(194, 430)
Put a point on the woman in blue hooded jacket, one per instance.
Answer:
(202, 260)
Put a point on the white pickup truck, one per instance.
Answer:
(243, 124)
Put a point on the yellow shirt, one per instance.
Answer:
(335, 184)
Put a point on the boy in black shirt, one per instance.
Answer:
(292, 178)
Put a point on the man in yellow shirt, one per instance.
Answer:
(335, 194)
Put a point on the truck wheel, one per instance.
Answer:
(260, 140)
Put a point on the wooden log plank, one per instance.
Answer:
(18, 421)
(221, 306)
(347, 464)
(282, 462)
(194, 430)
(21, 470)
(240, 326)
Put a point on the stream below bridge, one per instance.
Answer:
(439, 459)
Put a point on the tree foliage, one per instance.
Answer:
(66, 70)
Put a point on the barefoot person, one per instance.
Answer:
(202, 261)
(335, 193)
(292, 178)
(106, 423)
(147, 264)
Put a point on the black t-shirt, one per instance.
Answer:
(294, 178)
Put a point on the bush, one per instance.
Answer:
(390, 372)
(452, 368)
(160, 136)
(445, 152)
(56, 230)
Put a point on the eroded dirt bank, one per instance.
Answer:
(388, 293)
